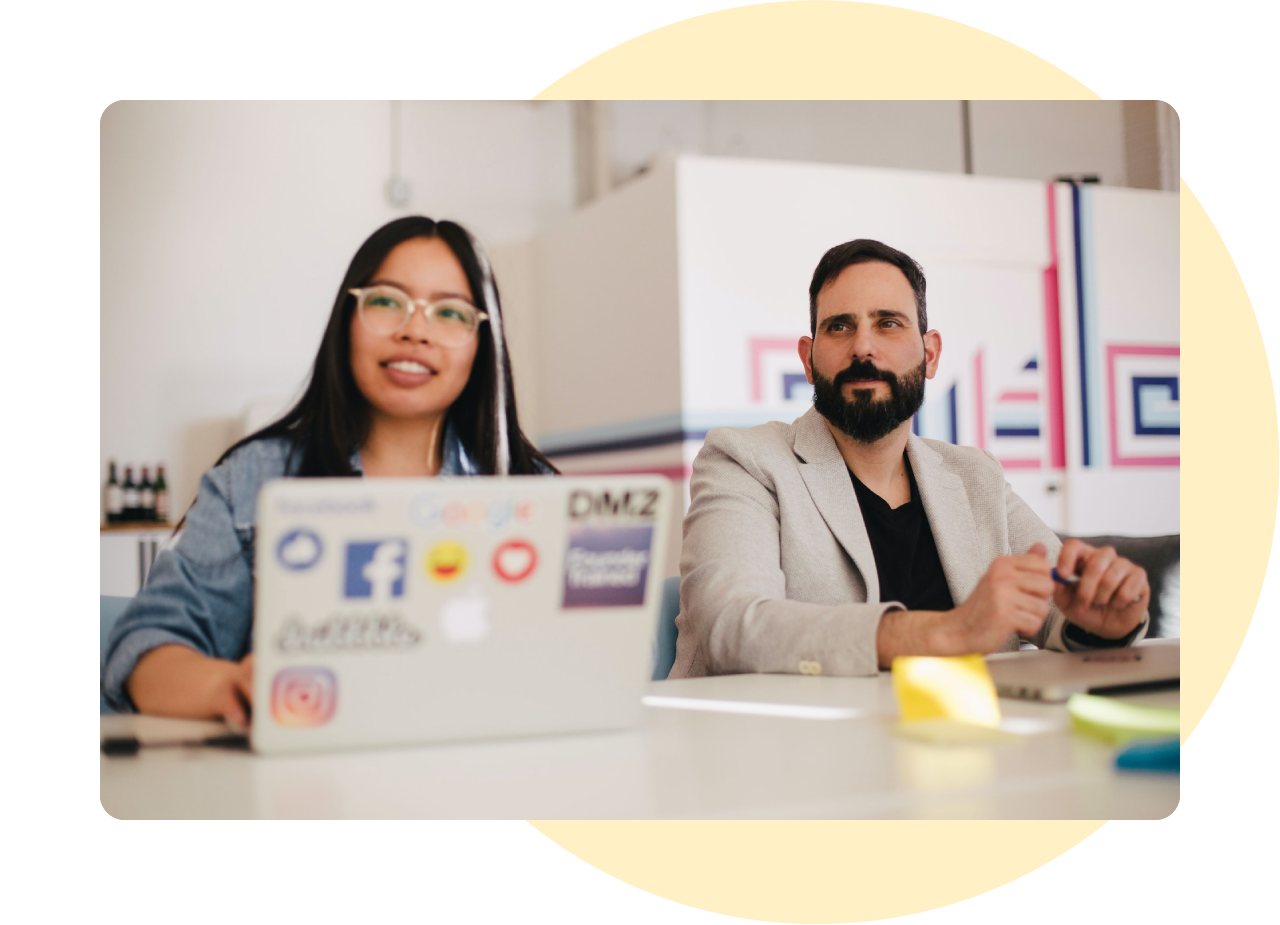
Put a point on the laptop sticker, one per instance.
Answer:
(515, 560)
(375, 569)
(607, 566)
(304, 697)
(299, 549)
(446, 562)
(346, 633)
(465, 619)
(430, 510)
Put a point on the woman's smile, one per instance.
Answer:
(408, 372)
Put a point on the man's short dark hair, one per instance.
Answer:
(864, 250)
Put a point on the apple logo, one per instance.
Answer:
(465, 619)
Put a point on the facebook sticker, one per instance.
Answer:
(376, 570)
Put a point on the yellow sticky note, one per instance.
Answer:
(1117, 722)
(958, 689)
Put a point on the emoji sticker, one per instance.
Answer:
(446, 562)
(515, 560)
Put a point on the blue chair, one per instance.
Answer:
(664, 655)
(110, 609)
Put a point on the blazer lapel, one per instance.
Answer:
(827, 478)
(946, 504)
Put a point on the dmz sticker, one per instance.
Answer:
(607, 566)
(375, 570)
(299, 549)
(304, 697)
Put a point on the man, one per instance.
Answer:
(833, 544)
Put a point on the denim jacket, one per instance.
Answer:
(199, 592)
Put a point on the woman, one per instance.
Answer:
(411, 379)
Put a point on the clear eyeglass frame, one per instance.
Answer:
(450, 329)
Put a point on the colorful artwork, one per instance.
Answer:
(1142, 404)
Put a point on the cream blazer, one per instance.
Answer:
(776, 567)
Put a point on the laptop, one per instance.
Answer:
(397, 611)
(1055, 676)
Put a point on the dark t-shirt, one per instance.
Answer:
(906, 558)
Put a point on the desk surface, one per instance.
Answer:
(738, 746)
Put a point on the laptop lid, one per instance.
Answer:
(1055, 676)
(393, 611)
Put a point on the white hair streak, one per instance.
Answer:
(503, 462)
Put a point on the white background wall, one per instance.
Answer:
(226, 227)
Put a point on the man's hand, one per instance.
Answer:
(1012, 597)
(1112, 593)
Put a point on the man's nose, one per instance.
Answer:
(862, 345)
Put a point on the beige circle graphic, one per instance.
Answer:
(807, 870)
(817, 50)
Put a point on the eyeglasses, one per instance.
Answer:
(386, 310)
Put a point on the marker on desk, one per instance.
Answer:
(1164, 755)
(128, 746)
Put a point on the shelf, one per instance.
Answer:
(136, 527)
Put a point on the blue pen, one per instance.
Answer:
(1069, 580)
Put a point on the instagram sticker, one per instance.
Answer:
(302, 697)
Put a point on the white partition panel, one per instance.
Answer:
(1118, 252)
(675, 304)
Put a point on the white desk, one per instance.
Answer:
(679, 763)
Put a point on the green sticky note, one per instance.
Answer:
(1117, 721)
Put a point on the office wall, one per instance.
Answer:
(1039, 140)
(1035, 140)
(911, 134)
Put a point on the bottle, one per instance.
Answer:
(146, 497)
(161, 488)
(115, 495)
(130, 490)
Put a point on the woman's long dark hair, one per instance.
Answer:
(333, 417)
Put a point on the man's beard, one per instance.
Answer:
(864, 418)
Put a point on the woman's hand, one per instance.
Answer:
(232, 695)
(178, 681)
